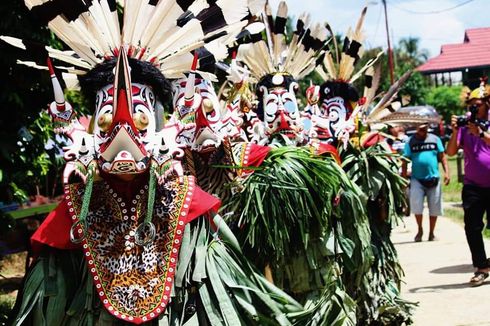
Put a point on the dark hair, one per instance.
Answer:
(331, 89)
(141, 72)
(267, 82)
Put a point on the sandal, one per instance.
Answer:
(478, 278)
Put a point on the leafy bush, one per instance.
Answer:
(415, 87)
(446, 100)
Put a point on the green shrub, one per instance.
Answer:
(446, 100)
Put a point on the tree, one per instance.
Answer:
(24, 93)
(408, 51)
(446, 100)
(408, 56)
(415, 87)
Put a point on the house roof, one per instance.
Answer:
(474, 52)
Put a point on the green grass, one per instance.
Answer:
(452, 192)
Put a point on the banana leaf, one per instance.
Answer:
(214, 285)
(301, 215)
(376, 171)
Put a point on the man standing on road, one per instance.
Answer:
(426, 151)
(475, 143)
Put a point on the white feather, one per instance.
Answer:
(279, 39)
(233, 10)
(17, 42)
(256, 6)
(377, 112)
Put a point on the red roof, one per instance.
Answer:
(473, 53)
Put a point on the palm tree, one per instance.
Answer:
(409, 50)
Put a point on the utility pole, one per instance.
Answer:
(390, 51)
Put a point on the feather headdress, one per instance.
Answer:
(339, 70)
(385, 105)
(163, 32)
(340, 65)
(276, 54)
(482, 92)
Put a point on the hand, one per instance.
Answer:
(474, 129)
(447, 179)
(454, 123)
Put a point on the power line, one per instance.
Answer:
(378, 21)
(432, 12)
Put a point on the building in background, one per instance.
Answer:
(461, 63)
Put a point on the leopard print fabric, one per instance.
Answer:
(134, 282)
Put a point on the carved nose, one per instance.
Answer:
(123, 93)
(284, 122)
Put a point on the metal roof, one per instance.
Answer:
(474, 52)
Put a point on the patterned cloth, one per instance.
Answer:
(133, 282)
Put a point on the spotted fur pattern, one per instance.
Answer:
(133, 278)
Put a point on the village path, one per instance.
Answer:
(437, 275)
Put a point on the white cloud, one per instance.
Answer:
(433, 30)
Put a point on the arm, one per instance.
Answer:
(476, 131)
(442, 158)
(452, 145)
(406, 153)
(404, 168)
(486, 137)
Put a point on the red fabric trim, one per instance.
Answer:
(201, 203)
(327, 148)
(256, 154)
(54, 231)
(372, 139)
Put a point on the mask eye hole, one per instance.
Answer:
(141, 120)
(207, 105)
(104, 121)
(270, 110)
(290, 106)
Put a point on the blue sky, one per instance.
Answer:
(432, 29)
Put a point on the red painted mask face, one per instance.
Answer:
(281, 114)
(124, 139)
(232, 120)
(204, 111)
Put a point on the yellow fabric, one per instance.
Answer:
(478, 94)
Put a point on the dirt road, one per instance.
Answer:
(437, 275)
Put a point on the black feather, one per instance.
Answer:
(331, 89)
(280, 25)
(185, 18)
(70, 10)
(211, 19)
(113, 5)
(353, 50)
(307, 40)
(368, 81)
(184, 4)
(300, 28)
(206, 60)
(141, 72)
